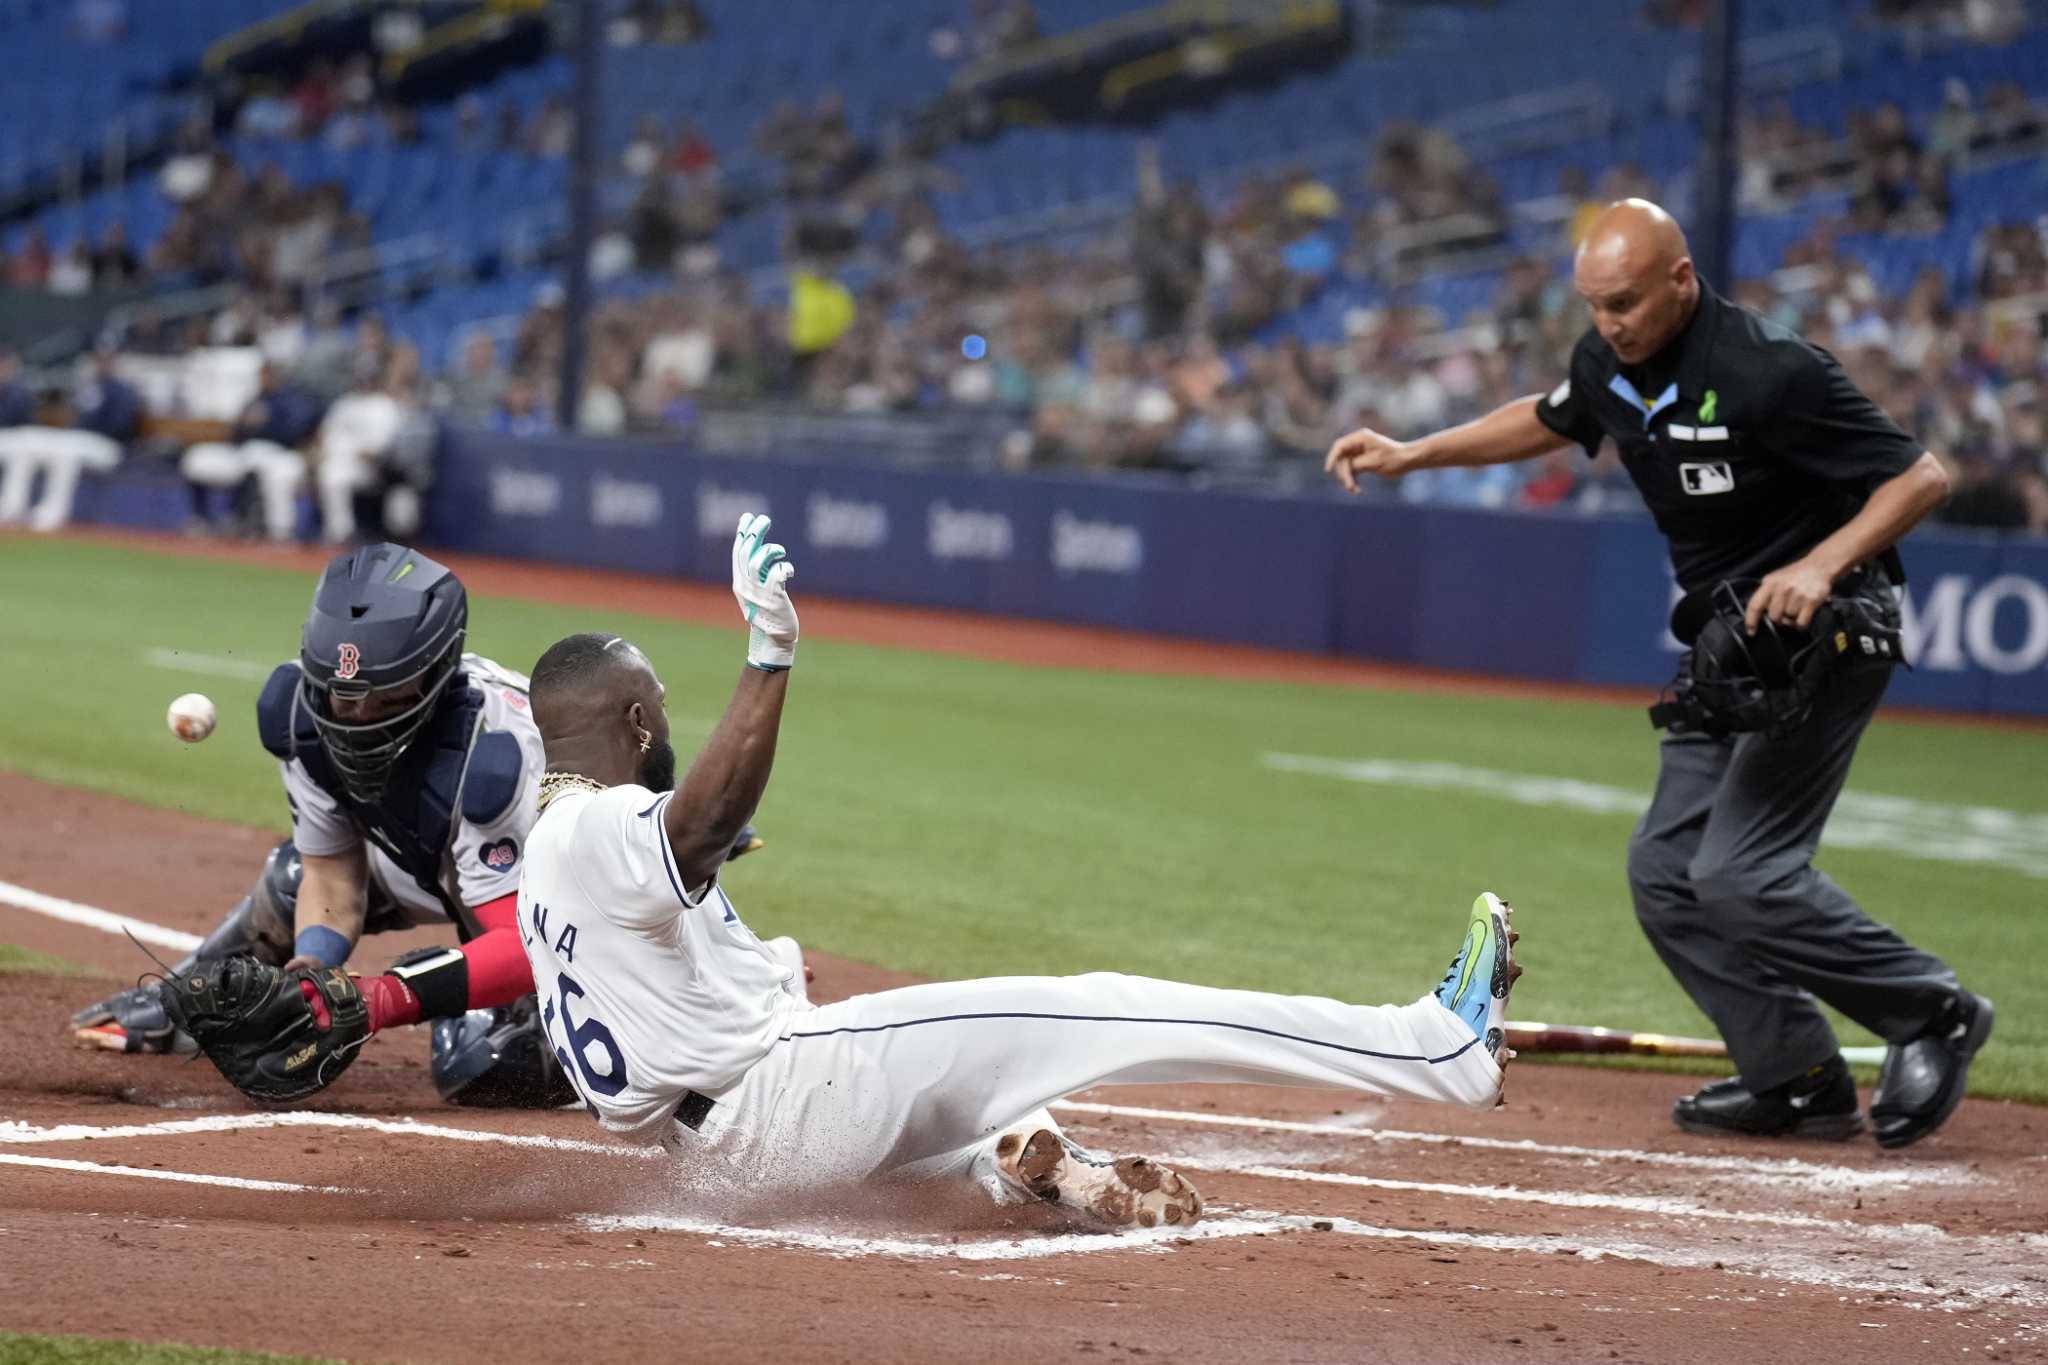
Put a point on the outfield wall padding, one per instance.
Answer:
(1538, 595)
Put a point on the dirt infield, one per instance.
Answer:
(140, 1198)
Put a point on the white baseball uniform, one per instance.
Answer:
(651, 991)
(482, 862)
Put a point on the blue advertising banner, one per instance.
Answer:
(1537, 595)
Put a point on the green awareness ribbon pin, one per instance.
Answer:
(1708, 404)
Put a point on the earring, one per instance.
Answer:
(646, 742)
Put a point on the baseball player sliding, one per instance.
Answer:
(412, 770)
(678, 1026)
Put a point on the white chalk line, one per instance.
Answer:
(18, 1134)
(207, 665)
(71, 912)
(1653, 1205)
(1929, 830)
(1768, 1264)
(232, 1182)
(1786, 1169)
(986, 1249)
(1778, 1266)
(1771, 1264)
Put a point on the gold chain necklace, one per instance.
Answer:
(553, 786)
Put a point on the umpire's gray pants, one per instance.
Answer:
(1722, 871)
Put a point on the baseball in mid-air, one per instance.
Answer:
(191, 717)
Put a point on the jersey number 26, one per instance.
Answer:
(581, 1039)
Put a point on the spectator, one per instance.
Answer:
(680, 347)
(17, 440)
(1224, 436)
(473, 391)
(1953, 126)
(694, 154)
(114, 265)
(652, 225)
(106, 414)
(551, 130)
(315, 96)
(265, 448)
(1986, 495)
(357, 435)
(30, 266)
(672, 411)
(520, 412)
(601, 411)
(71, 273)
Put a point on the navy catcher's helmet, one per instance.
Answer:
(383, 639)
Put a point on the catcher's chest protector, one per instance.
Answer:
(416, 814)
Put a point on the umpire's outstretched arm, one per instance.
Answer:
(1509, 433)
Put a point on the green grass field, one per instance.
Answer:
(955, 817)
(14, 959)
(33, 1349)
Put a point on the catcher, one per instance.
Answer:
(411, 769)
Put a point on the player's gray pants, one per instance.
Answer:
(1722, 870)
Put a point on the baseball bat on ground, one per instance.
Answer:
(1533, 1037)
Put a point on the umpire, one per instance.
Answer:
(1781, 490)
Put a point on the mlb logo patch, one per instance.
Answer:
(1703, 479)
(500, 856)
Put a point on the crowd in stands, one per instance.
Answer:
(1165, 341)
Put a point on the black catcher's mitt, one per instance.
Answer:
(258, 1026)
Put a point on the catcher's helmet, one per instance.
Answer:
(1767, 681)
(379, 648)
(1733, 682)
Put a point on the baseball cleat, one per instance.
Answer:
(749, 841)
(1476, 986)
(132, 1020)
(1113, 1192)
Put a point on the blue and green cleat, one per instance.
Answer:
(1476, 987)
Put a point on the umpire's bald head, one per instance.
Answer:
(1635, 272)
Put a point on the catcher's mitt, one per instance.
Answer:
(263, 1030)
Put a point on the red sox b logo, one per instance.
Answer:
(351, 661)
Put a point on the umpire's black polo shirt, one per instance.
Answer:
(1748, 443)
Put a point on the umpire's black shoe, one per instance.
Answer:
(1922, 1082)
(1820, 1104)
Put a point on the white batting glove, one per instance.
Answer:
(760, 578)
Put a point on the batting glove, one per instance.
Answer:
(760, 575)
